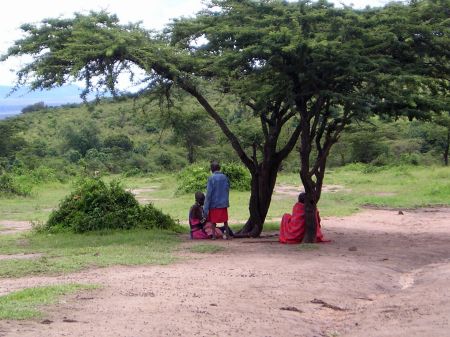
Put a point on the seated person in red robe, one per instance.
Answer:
(200, 229)
(292, 228)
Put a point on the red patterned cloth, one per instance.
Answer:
(218, 215)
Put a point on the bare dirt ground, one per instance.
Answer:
(383, 274)
(12, 226)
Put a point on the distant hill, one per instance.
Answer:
(13, 104)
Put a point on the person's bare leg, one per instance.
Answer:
(227, 230)
(213, 226)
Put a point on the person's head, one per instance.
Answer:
(301, 197)
(200, 198)
(215, 166)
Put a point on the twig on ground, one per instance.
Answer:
(291, 309)
(327, 305)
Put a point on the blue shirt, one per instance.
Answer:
(217, 192)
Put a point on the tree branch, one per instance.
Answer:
(220, 122)
(284, 152)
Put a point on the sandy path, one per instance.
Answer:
(13, 226)
(383, 274)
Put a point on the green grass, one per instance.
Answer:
(398, 186)
(38, 206)
(26, 304)
(66, 252)
(206, 248)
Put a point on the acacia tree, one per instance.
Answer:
(303, 69)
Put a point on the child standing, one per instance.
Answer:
(217, 200)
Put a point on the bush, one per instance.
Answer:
(194, 178)
(121, 141)
(366, 148)
(150, 217)
(239, 176)
(43, 174)
(96, 206)
(73, 156)
(10, 186)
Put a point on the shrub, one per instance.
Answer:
(194, 178)
(10, 186)
(150, 217)
(121, 141)
(73, 156)
(366, 148)
(81, 138)
(239, 176)
(95, 205)
(43, 174)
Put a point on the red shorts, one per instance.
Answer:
(218, 215)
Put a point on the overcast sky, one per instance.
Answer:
(153, 13)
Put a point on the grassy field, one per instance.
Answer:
(353, 187)
(66, 252)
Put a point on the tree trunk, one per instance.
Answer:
(262, 186)
(310, 219)
(447, 148)
(191, 153)
(308, 183)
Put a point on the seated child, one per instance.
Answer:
(292, 228)
(200, 229)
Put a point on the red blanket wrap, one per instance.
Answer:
(292, 228)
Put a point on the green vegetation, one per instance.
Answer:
(26, 304)
(96, 206)
(404, 186)
(347, 189)
(206, 249)
(67, 252)
(193, 178)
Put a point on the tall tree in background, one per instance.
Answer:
(302, 68)
(443, 120)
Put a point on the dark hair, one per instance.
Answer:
(215, 166)
(301, 197)
(199, 197)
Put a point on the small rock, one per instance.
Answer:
(46, 321)
(353, 249)
(400, 213)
